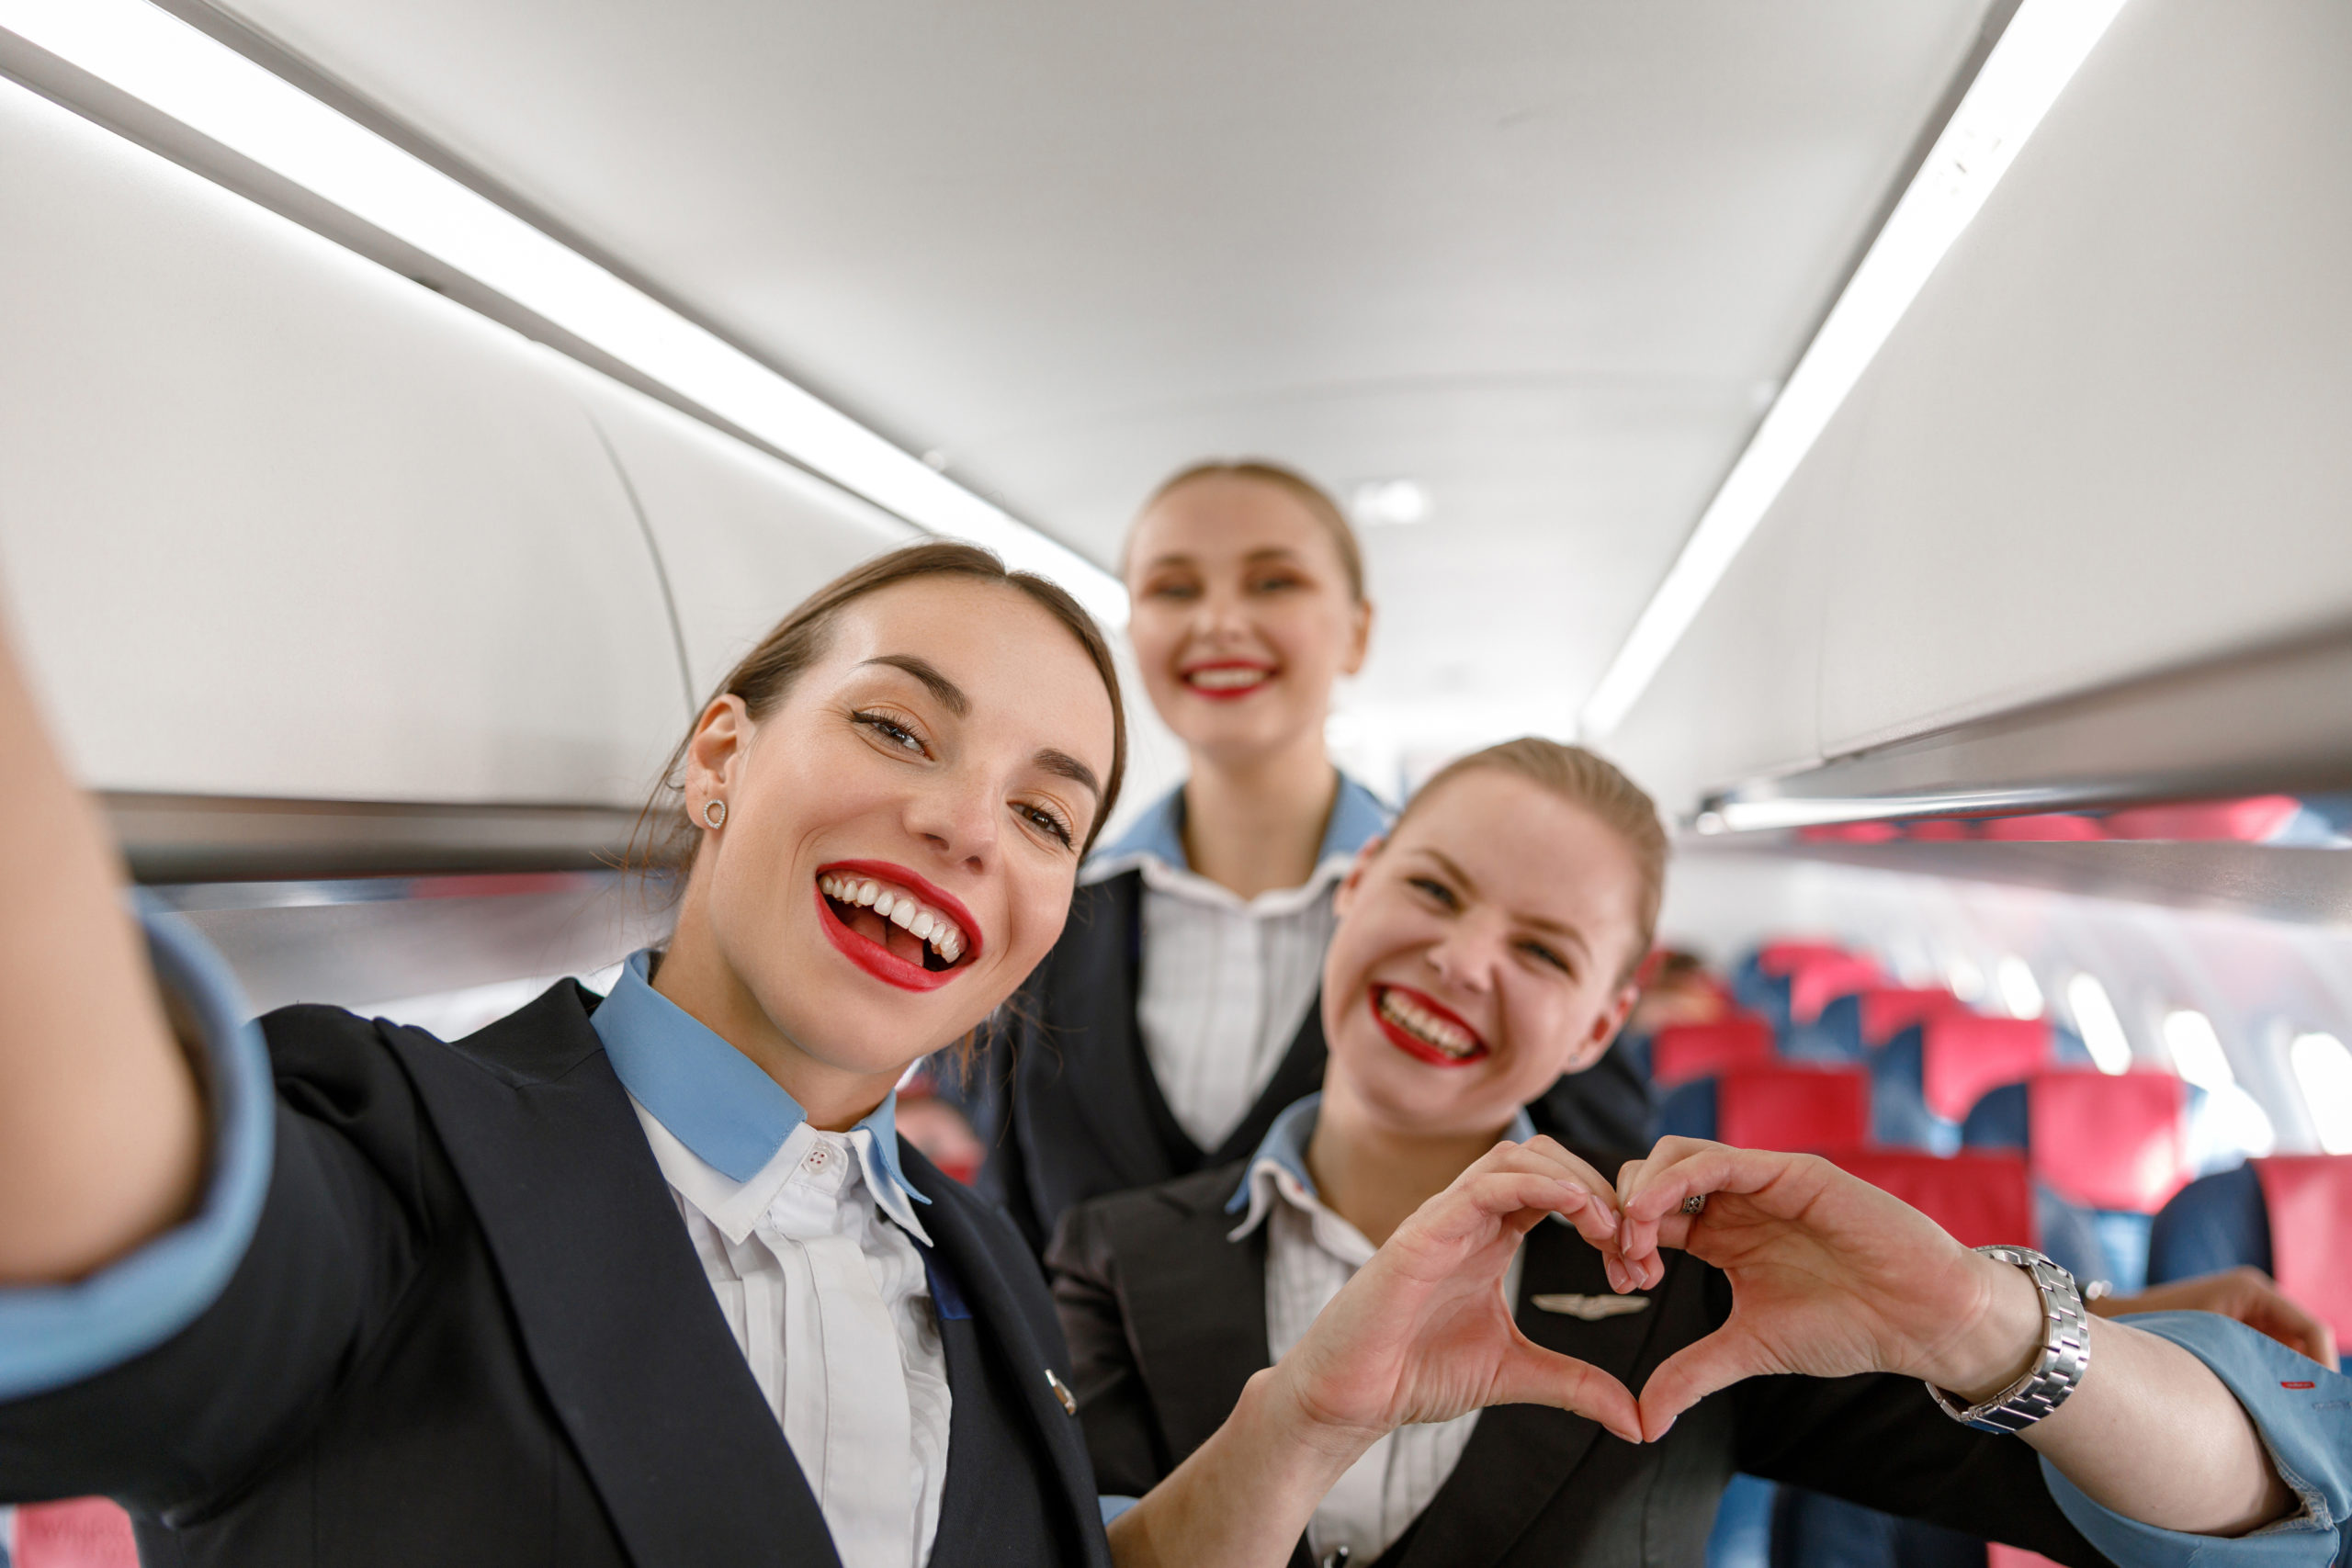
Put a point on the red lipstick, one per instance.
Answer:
(1413, 1044)
(873, 956)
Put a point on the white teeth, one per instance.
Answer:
(1427, 1026)
(1226, 680)
(901, 908)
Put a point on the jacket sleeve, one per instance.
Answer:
(266, 1316)
(1113, 1403)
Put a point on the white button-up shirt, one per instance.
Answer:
(1226, 981)
(812, 1256)
(1311, 1252)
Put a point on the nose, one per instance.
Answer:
(957, 815)
(1468, 956)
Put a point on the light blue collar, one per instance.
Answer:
(711, 1097)
(1357, 817)
(1285, 1142)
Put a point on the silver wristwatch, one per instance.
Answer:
(2065, 1352)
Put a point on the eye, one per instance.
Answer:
(1274, 582)
(890, 732)
(1437, 891)
(1046, 820)
(1172, 590)
(1543, 954)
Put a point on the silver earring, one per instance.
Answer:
(714, 812)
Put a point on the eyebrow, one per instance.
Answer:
(1540, 922)
(951, 695)
(1067, 766)
(1264, 553)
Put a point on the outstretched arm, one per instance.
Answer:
(1422, 1333)
(1831, 1277)
(101, 1132)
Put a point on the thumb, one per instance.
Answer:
(1696, 1370)
(1530, 1374)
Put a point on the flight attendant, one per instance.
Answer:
(1177, 1015)
(1483, 949)
(646, 1279)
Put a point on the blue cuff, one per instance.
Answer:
(1114, 1506)
(2305, 1414)
(56, 1335)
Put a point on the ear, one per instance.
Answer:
(1360, 637)
(1345, 894)
(1605, 1025)
(715, 752)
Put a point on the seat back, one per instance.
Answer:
(84, 1532)
(2108, 1142)
(1784, 957)
(1815, 982)
(2310, 1199)
(1886, 1010)
(1681, 1051)
(1792, 1107)
(1962, 1054)
(1982, 1196)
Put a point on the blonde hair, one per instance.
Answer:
(1583, 779)
(1297, 486)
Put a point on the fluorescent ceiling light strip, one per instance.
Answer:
(2038, 53)
(213, 90)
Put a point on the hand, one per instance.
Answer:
(1830, 1277)
(2249, 1295)
(1423, 1332)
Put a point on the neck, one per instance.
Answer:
(696, 975)
(1255, 825)
(1373, 1174)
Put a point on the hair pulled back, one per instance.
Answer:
(1297, 486)
(1583, 779)
(764, 677)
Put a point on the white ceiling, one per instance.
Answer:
(1548, 257)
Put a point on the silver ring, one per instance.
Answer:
(1693, 1203)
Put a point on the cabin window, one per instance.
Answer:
(2020, 992)
(2323, 1072)
(2095, 1021)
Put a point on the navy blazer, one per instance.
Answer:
(1065, 1097)
(1167, 1320)
(471, 1329)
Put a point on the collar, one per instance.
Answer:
(715, 1101)
(1279, 1168)
(1156, 839)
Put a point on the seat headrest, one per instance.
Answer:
(1792, 1107)
(1780, 957)
(1817, 982)
(1964, 1055)
(2310, 1199)
(1982, 1196)
(1888, 1010)
(1681, 1051)
(2117, 1142)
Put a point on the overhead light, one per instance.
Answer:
(218, 93)
(2038, 53)
(2095, 1022)
(1378, 503)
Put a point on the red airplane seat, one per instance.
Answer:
(2043, 827)
(2248, 821)
(1681, 1051)
(1962, 1054)
(1983, 1197)
(1783, 957)
(1789, 1106)
(1888, 1010)
(2310, 1199)
(1999, 1556)
(2111, 1142)
(1939, 830)
(83, 1532)
(1814, 984)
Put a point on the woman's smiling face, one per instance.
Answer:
(903, 829)
(1479, 955)
(1243, 615)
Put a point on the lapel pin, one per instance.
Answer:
(1061, 1391)
(1591, 1309)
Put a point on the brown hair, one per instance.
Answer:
(1583, 779)
(1306, 491)
(766, 675)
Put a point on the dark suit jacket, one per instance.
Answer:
(471, 1329)
(1167, 1320)
(1067, 1099)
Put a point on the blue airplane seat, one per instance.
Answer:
(1999, 1120)
(1899, 1114)
(1687, 1110)
(1743, 1534)
(2216, 1222)
(1813, 1530)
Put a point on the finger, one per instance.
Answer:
(1696, 1370)
(1533, 1375)
(2282, 1318)
(1541, 1156)
(1544, 1147)
(1682, 1169)
(1468, 1212)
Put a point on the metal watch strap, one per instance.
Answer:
(2065, 1352)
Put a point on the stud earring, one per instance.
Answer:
(714, 812)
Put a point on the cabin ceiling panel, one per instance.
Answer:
(1546, 257)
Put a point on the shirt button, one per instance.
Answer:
(818, 1157)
